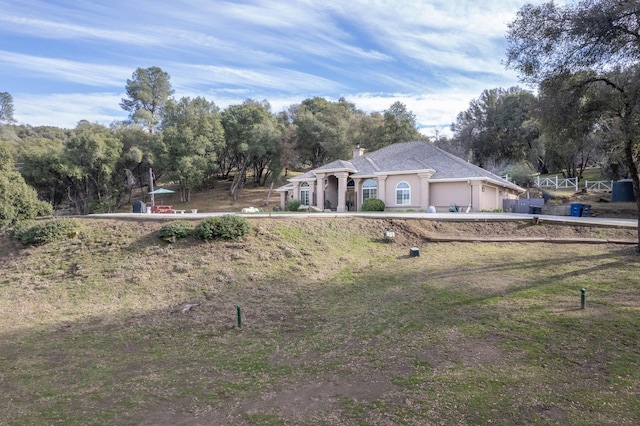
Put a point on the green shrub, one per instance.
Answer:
(102, 206)
(176, 229)
(38, 233)
(227, 227)
(292, 205)
(520, 174)
(19, 201)
(373, 205)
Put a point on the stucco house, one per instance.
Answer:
(406, 176)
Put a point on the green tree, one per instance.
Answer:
(42, 166)
(90, 168)
(399, 125)
(322, 130)
(592, 37)
(18, 201)
(192, 136)
(568, 115)
(369, 131)
(496, 128)
(136, 158)
(148, 91)
(253, 139)
(6, 108)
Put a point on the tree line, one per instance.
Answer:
(583, 61)
(190, 143)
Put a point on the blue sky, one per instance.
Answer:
(66, 61)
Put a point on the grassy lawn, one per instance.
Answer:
(338, 328)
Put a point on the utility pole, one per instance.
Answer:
(151, 187)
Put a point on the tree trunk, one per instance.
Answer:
(633, 169)
(266, 201)
(239, 180)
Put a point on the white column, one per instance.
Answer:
(312, 191)
(357, 188)
(382, 189)
(342, 191)
(320, 191)
(424, 188)
(296, 190)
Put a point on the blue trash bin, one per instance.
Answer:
(576, 210)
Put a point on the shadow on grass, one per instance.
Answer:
(344, 333)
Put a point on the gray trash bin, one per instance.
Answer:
(139, 207)
(535, 209)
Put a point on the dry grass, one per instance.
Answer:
(338, 327)
(216, 199)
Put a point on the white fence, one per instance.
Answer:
(598, 185)
(557, 183)
(565, 183)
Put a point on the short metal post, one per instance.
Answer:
(239, 312)
(582, 297)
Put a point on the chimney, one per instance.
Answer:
(358, 152)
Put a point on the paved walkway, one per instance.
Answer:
(466, 217)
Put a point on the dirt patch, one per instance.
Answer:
(555, 414)
(457, 349)
(315, 395)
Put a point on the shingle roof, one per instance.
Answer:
(337, 165)
(410, 156)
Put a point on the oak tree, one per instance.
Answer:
(600, 39)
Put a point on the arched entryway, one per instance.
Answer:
(331, 192)
(352, 196)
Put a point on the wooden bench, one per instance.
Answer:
(161, 209)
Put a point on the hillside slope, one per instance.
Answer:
(116, 326)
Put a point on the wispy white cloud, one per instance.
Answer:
(433, 55)
(66, 110)
(52, 29)
(64, 70)
(271, 79)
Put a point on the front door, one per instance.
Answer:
(351, 199)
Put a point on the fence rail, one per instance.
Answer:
(598, 185)
(560, 183)
(557, 182)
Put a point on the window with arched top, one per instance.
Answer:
(304, 194)
(403, 194)
(369, 189)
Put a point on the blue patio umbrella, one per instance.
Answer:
(160, 191)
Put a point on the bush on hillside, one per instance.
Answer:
(19, 201)
(227, 227)
(176, 229)
(38, 233)
(373, 205)
(292, 205)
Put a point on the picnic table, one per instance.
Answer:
(162, 209)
